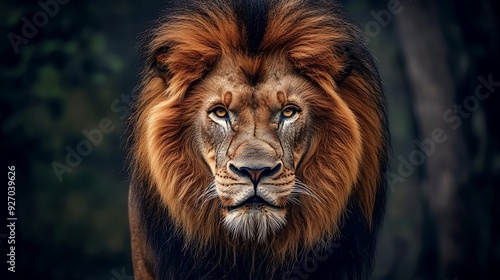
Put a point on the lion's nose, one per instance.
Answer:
(255, 173)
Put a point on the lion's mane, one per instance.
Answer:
(178, 236)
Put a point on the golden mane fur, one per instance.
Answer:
(343, 160)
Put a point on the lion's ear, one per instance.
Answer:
(334, 62)
(159, 63)
(344, 56)
(182, 65)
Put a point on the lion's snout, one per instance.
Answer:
(255, 172)
(255, 159)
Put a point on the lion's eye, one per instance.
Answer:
(220, 112)
(289, 112)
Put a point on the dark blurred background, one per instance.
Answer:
(69, 68)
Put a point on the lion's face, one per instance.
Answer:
(253, 137)
(268, 146)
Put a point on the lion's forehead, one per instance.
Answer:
(263, 95)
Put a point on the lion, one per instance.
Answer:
(258, 145)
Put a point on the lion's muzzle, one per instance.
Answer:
(254, 189)
(255, 164)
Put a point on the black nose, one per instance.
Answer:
(255, 174)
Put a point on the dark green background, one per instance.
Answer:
(82, 66)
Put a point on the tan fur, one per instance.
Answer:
(340, 163)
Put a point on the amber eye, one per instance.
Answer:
(220, 112)
(289, 112)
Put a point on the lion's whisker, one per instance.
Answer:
(301, 188)
(294, 200)
(209, 193)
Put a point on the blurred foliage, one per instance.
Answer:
(61, 82)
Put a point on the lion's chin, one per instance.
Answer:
(254, 222)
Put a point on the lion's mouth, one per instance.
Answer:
(254, 202)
